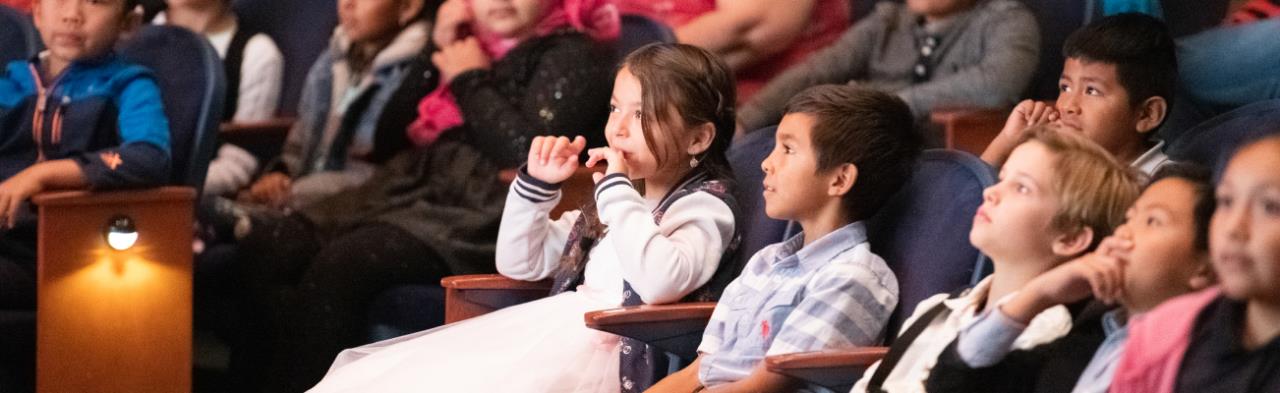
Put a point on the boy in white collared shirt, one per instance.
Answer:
(1058, 196)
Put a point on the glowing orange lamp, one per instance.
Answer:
(113, 308)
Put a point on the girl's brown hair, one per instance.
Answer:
(682, 87)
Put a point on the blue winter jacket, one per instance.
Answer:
(105, 114)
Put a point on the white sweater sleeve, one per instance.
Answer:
(664, 262)
(261, 73)
(529, 242)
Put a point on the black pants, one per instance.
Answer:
(308, 294)
(17, 308)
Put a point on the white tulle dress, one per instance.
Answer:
(544, 346)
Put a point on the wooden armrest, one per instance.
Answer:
(676, 328)
(835, 369)
(969, 129)
(264, 139)
(153, 195)
(271, 127)
(492, 282)
(473, 295)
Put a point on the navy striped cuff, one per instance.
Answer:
(536, 191)
(610, 181)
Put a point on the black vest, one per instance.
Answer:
(232, 64)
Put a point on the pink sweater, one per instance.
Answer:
(1157, 343)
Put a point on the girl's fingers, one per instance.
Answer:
(558, 148)
(545, 153)
(535, 147)
(579, 143)
(594, 156)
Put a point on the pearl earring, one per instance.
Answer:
(693, 162)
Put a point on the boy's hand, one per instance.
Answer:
(14, 192)
(614, 157)
(554, 159)
(273, 189)
(461, 56)
(1028, 113)
(1100, 273)
(451, 17)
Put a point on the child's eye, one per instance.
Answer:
(613, 108)
(638, 114)
(787, 149)
(1224, 201)
(1092, 91)
(1152, 221)
(1022, 189)
(1271, 207)
(1062, 87)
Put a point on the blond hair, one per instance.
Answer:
(1094, 189)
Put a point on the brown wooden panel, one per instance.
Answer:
(107, 320)
(469, 296)
(264, 139)
(836, 369)
(676, 328)
(970, 130)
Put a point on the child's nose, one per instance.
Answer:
(1068, 102)
(1236, 222)
(73, 13)
(624, 128)
(1124, 232)
(989, 195)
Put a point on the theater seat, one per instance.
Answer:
(638, 31)
(1212, 142)
(922, 235)
(300, 28)
(131, 332)
(18, 37)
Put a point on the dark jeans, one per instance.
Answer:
(308, 294)
(17, 308)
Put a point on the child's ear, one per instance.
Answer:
(409, 10)
(1071, 244)
(1204, 275)
(703, 135)
(842, 179)
(1150, 113)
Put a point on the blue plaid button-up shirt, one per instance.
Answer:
(833, 293)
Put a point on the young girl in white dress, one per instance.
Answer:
(670, 123)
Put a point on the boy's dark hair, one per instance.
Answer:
(872, 130)
(1201, 180)
(1140, 47)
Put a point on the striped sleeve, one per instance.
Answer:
(529, 241)
(845, 305)
(534, 190)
